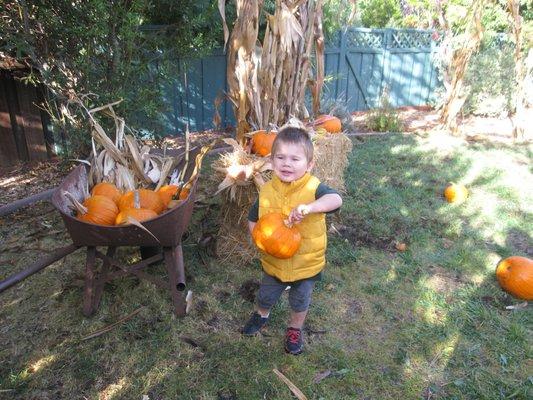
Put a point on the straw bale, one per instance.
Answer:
(331, 159)
(233, 240)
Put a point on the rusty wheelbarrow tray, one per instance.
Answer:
(167, 230)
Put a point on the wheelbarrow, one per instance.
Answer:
(165, 233)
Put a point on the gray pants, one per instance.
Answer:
(272, 288)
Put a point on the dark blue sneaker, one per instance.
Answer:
(254, 324)
(294, 341)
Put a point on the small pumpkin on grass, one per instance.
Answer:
(97, 209)
(455, 193)
(330, 123)
(148, 199)
(107, 189)
(273, 235)
(136, 212)
(262, 142)
(515, 276)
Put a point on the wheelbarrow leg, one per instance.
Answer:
(88, 290)
(174, 264)
(102, 279)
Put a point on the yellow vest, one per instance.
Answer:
(309, 260)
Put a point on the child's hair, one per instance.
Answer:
(293, 135)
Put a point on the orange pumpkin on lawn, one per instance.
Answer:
(274, 236)
(515, 276)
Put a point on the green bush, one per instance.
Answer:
(384, 118)
(490, 78)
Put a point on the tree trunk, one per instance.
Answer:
(518, 117)
(457, 92)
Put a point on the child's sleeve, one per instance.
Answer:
(253, 214)
(324, 189)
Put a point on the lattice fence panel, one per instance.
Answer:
(365, 39)
(410, 39)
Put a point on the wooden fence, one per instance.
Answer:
(360, 64)
(23, 134)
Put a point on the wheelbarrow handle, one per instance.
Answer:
(37, 266)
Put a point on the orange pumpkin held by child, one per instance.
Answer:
(262, 142)
(515, 276)
(274, 236)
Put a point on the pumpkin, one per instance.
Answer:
(329, 123)
(97, 209)
(262, 142)
(167, 192)
(274, 236)
(515, 276)
(455, 193)
(184, 193)
(106, 189)
(148, 199)
(139, 214)
(136, 212)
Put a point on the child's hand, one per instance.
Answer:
(298, 213)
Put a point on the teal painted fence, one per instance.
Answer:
(359, 64)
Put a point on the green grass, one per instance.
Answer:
(429, 322)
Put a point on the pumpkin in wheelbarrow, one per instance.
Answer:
(148, 199)
(97, 209)
(135, 212)
(107, 189)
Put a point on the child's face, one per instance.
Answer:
(290, 162)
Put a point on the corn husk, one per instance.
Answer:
(267, 81)
(238, 176)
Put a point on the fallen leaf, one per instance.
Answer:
(401, 246)
(321, 375)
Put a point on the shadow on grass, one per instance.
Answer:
(441, 316)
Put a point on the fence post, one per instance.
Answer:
(385, 69)
(342, 69)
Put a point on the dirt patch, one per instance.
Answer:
(248, 290)
(424, 119)
(442, 280)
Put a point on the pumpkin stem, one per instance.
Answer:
(77, 205)
(287, 223)
(136, 199)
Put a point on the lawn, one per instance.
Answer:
(429, 322)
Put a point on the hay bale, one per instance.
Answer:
(331, 159)
(234, 243)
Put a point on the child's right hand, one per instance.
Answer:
(298, 213)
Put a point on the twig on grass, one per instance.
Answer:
(297, 392)
(114, 324)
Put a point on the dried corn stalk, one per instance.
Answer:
(267, 81)
(126, 162)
